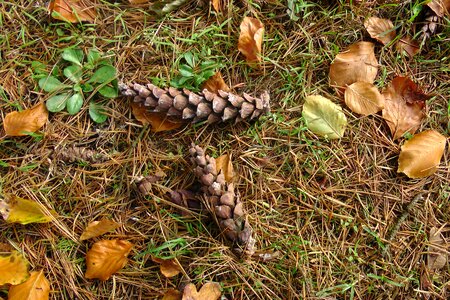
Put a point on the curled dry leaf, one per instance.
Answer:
(250, 39)
(158, 121)
(437, 258)
(23, 211)
(363, 98)
(323, 117)
(224, 163)
(172, 294)
(73, 11)
(380, 29)
(106, 258)
(19, 123)
(98, 228)
(13, 268)
(420, 156)
(215, 83)
(209, 291)
(408, 46)
(404, 106)
(440, 7)
(36, 287)
(357, 63)
(169, 267)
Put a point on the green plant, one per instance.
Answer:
(85, 76)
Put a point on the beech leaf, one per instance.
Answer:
(420, 156)
(73, 11)
(380, 29)
(209, 291)
(323, 117)
(168, 267)
(224, 164)
(36, 287)
(98, 228)
(13, 268)
(407, 45)
(437, 258)
(23, 211)
(250, 39)
(440, 7)
(19, 123)
(215, 83)
(363, 98)
(357, 63)
(172, 294)
(158, 121)
(106, 257)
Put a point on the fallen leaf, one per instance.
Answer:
(404, 106)
(323, 117)
(250, 39)
(106, 258)
(363, 98)
(172, 294)
(420, 156)
(215, 83)
(98, 228)
(73, 11)
(168, 267)
(209, 291)
(13, 268)
(380, 29)
(224, 163)
(437, 258)
(23, 211)
(408, 45)
(217, 4)
(36, 287)
(357, 63)
(19, 123)
(158, 121)
(440, 7)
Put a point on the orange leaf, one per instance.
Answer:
(440, 7)
(380, 29)
(73, 11)
(106, 258)
(172, 294)
(420, 156)
(13, 268)
(224, 163)
(403, 107)
(36, 287)
(408, 45)
(98, 228)
(169, 267)
(209, 291)
(215, 83)
(363, 98)
(158, 121)
(250, 39)
(18, 123)
(217, 4)
(357, 63)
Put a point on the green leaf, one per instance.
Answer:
(323, 117)
(189, 57)
(74, 104)
(73, 55)
(51, 84)
(186, 71)
(96, 112)
(74, 73)
(57, 102)
(109, 92)
(93, 57)
(87, 87)
(104, 74)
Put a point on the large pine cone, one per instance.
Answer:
(188, 105)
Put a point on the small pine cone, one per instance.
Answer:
(430, 24)
(222, 200)
(203, 106)
(145, 184)
(74, 153)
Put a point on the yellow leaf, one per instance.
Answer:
(215, 83)
(36, 287)
(420, 156)
(224, 163)
(13, 268)
(98, 228)
(363, 98)
(440, 7)
(168, 267)
(73, 11)
(158, 121)
(357, 63)
(209, 291)
(23, 211)
(250, 39)
(172, 294)
(18, 123)
(380, 29)
(106, 258)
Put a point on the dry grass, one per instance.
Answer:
(329, 207)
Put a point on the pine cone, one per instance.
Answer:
(197, 107)
(73, 153)
(430, 25)
(222, 200)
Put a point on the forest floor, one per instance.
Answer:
(327, 208)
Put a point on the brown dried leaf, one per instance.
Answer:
(19, 123)
(437, 258)
(363, 98)
(215, 83)
(420, 156)
(158, 121)
(36, 287)
(408, 45)
(250, 39)
(209, 291)
(357, 63)
(404, 106)
(168, 267)
(106, 258)
(98, 228)
(217, 4)
(224, 163)
(440, 7)
(73, 11)
(172, 294)
(13, 268)
(380, 29)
